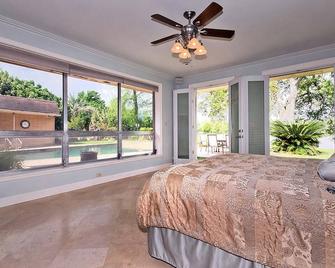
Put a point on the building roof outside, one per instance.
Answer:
(28, 105)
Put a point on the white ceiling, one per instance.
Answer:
(264, 28)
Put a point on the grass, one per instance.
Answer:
(129, 144)
(325, 153)
(108, 141)
(95, 142)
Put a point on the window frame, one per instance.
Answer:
(66, 134)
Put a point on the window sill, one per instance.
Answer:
(23, 174)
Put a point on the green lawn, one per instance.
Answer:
(325, 153)
(94, 142)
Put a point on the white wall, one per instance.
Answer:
(317, 57)
(17, 34)
(23, 36)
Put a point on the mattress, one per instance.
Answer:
(269, 210)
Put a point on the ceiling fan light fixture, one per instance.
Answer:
(188, 41)
(185, 54)
(177, 48)
(193, 43)
(201, 50)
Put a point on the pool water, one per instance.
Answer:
(103, 149)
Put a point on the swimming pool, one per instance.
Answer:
(26, 158)
(56, 152)
(103, 150)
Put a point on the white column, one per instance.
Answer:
(267, 114)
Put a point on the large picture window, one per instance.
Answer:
(137, 120)
(77, 115)
(30, 102)
(92, 108)
(302, 114)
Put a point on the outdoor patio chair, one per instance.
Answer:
(212, 142)
(221, 142)
(203, 141)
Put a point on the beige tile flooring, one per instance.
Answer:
(92, 227)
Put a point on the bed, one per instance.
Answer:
(240, 211)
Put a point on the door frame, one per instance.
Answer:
(243, 91)
(238, 81)
(193, 89)
(265, 79)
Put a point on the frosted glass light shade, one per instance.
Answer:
(185, 54)
(193, 43)
(201, 50)
(177, 48)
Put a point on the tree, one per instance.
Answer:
(112, 112)
(99, 120)
(214, 127)
(315, 99)
(283, 95)
(215, 105)
(308, 97)
(136, 110)
(82, 107)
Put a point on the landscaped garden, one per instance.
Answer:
(302, 115)
(212, 121)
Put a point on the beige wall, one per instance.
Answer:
(37, 123)
(6, 121)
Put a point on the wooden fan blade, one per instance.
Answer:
(228, 34)
(162, 40)
(166, 21)
(213, 10)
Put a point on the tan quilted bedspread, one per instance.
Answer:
(271, 210)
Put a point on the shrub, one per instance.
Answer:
(214, 127)
(300, 138)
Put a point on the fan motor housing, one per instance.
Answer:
(189, 31)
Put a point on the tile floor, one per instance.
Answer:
(92, 227)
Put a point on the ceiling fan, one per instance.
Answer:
(186, 41)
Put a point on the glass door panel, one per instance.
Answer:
(256, 115)
(183, 125)
(234, 116)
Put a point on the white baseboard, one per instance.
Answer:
(20, 198)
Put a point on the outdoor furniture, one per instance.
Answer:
(222, 142)
(203, 141)
(212, 142)
(88, 156)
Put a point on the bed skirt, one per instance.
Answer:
(183, 251)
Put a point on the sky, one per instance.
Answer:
(53, 82)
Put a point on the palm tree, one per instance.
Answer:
(300, 137)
